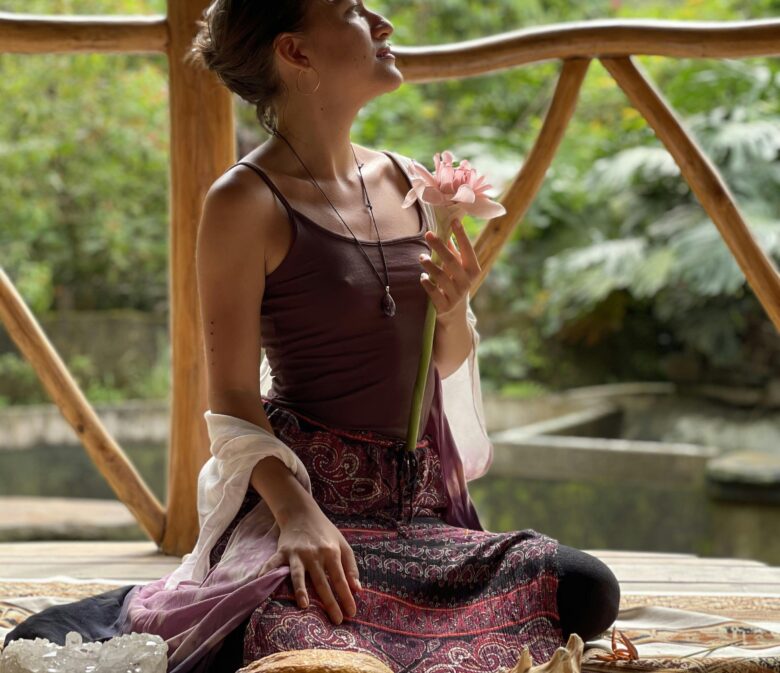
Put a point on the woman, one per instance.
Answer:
(359, 544)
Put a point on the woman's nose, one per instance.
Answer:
(383, 27)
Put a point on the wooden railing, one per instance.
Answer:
(209, 128)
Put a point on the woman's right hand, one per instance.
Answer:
(308, 541)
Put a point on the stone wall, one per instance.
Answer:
(123, 344)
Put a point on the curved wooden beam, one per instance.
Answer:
(104, 452)
(37, 34)
(521, 193)
(705, 181)
(588, 39)
(33, 33)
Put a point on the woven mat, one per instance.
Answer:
(736, 607)
(671, 633)
(691, 632)
(20, 599)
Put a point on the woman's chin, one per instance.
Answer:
(388, 82)
(395, 76)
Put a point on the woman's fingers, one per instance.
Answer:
(456, 271)
(298, 575)
(320, 581)
(468, 256)
(314, 545)
(350, 564)
(339, 581)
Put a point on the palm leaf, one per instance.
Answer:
(635, 164)
(704, 262)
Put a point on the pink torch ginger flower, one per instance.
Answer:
(457, 189)
(452, 192)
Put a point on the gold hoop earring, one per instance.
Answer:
(298, 83)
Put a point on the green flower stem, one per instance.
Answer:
(421, 381)
(444, 217)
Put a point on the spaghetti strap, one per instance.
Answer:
(271, 184)
(396, 160)
(399, 160)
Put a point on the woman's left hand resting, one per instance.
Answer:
(449, 283)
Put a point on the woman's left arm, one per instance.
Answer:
(448, 287)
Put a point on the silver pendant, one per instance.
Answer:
(388, 305)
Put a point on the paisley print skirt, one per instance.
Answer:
(435, 597)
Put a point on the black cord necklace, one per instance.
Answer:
(388, 304)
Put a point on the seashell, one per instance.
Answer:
(317, 661)
(565, 660)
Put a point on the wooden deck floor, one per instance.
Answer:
(637, 572)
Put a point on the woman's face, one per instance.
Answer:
(341, 41)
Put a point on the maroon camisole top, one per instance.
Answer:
(334, 354)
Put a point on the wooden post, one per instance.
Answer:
(202, 147)
(705, 181)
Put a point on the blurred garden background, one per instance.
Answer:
(616, 274)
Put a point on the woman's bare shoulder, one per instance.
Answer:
(241, 206)
(241, 187)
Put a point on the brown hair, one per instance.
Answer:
(235, 40)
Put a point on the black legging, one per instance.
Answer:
(588, 594)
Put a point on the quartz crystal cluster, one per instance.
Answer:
(131, 653)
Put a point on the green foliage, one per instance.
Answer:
(670, 257)
(524, 390)
(20, 383)
(616, 272)
(83, 173)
